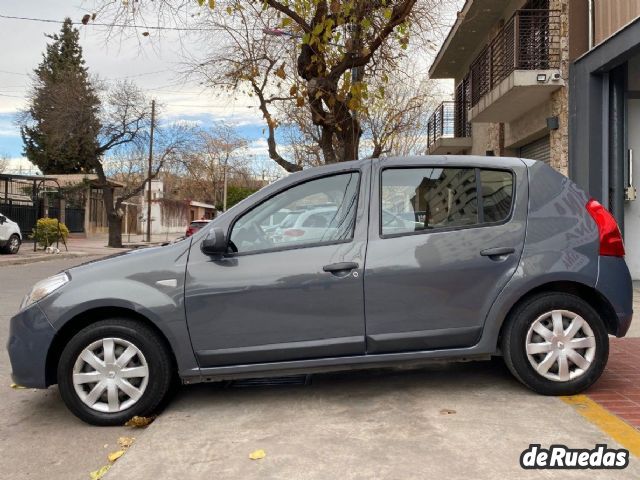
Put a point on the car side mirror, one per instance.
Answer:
(2, 219)
(215, 242)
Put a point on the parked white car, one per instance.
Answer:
(10, 235)
(306, 225)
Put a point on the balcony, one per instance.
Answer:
(448, 132)
(518, 70)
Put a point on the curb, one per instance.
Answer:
(44, 258)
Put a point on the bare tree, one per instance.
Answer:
(396, 121)
(172, 144)
(4, 163)
(218, 155)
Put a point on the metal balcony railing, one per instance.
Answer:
(448, 121)
(530, 40)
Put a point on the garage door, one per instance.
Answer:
(538, 150)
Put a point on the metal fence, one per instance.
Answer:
(449, 120)
(25, 198)
(530, 40)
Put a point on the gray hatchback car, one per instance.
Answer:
(421, 258)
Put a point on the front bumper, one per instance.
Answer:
(30, 336)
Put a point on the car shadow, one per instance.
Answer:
(480, 378)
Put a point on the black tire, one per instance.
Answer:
(13, 245)
(514, 339)
(147, 341)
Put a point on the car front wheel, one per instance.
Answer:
(556, 344)
(114, 370)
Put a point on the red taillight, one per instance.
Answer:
(611, 244)
(293, 232)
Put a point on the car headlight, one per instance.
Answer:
(44, 288)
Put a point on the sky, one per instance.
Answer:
(154, 66)
(153, 62)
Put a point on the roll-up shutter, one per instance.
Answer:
(538, 150)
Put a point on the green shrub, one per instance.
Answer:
(47, 232)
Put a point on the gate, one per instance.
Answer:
(23, 199)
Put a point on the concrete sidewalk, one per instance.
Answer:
(456, 421)
(81, 247)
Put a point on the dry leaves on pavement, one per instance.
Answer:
(139, 422)
(257, 455)
(124, 443)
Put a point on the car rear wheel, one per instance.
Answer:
(13, 245)
(114, 370)
(556, 344)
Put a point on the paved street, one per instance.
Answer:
(466, 420)
(39, 438)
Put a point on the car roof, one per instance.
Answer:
(408, 160)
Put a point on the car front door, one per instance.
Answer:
(444, 239)
(291, 298)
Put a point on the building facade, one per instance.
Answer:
(509, 60)
(604, 105)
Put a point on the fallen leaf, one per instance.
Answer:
(126, 442)
(15, 386)
(98, 474)
(139, 422)
(446, 411)
(113, 456)
(257, 455)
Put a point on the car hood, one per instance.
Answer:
(134, 262)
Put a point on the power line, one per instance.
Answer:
(12, 96)
(119, 25)
(141, 74)
(14, 73)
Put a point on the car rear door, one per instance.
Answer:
(430, 283)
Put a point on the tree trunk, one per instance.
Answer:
(115, 230)
(114, 219)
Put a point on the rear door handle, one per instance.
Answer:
(340, 267)
(497, 252)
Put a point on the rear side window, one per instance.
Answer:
(424, 199)
(497, 194)
(415, 199)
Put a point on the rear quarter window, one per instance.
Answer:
(497, 195)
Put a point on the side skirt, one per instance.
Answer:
(334, 364)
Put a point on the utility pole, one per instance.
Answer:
(224, 188)
(153, 122)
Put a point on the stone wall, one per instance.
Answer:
(560, 99)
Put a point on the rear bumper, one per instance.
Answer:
(615, 284)
(30, 336)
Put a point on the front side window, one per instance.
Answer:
(315, 212)
(416, 199)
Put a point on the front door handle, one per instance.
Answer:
(497, 252)
(340, 267)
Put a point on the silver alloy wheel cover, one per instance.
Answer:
(103, 380)
(14, 244)
(563, 352)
